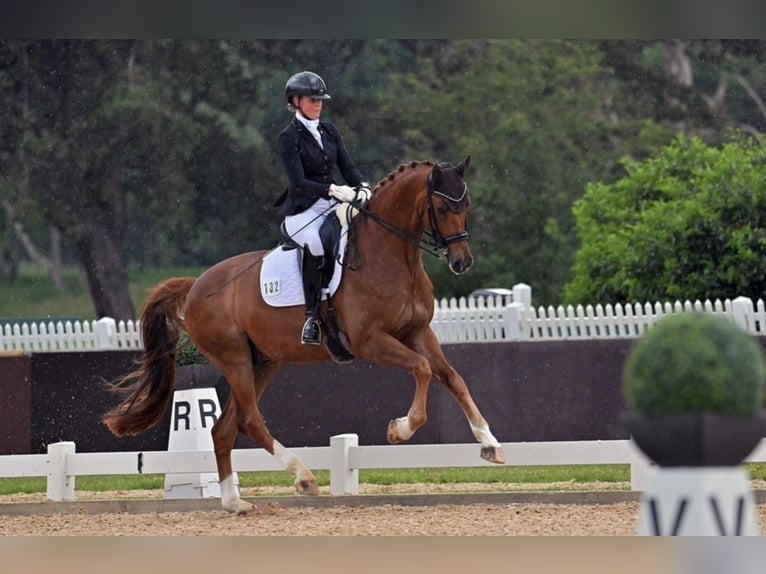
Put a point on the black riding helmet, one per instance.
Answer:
(306, 84)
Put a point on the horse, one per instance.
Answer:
(384, 303)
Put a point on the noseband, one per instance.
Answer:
(456, 205)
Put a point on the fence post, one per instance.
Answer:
(343, 479)
(60, 484)
(513, 321)
(743, 311)
(641, 468)
(522, 293)
(105, 330)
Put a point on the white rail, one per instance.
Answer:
(343, 458)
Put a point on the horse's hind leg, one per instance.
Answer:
(224, 438)
(247, 381)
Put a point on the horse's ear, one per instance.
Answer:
(436, 176)
(462, 167)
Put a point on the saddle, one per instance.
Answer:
(335, 340)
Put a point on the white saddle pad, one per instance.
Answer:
(281, 283)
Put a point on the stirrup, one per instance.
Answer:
(311, 335)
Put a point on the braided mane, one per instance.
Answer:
(405, 167)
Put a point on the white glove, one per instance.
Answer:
(344, 193)
(346, 211)
(363, 195)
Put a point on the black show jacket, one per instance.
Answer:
(309, 168)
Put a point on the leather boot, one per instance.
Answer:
(312, 290)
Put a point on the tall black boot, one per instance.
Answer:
(312, 290)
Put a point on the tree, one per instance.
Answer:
(531, 113)
(108, 132)
(688, 223)
(161, 152)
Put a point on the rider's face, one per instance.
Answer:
(311, 108)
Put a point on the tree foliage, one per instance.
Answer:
(688, 223)
(144, 153)
(532, 114)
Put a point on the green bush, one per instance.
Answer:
(688, 223)
(188, 353)
(695, 362)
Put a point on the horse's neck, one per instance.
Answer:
(395, 242)
(403, 205)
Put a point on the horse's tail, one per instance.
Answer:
(146, 391)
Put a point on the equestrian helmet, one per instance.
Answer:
(306, 84)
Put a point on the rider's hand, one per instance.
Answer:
(344, 193)
(363, 194)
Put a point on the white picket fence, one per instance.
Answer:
(61, 465)
(468, 320)
(456, 320)
(41, 336)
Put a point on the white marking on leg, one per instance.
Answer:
(403, 428)
(292, 462)
(287, 458)
(229, 495)
(484, 435)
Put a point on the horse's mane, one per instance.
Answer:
(405, 167)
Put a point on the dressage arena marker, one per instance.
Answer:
(709, 501)
(195, 411)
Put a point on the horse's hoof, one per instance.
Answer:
(240, 507)
(307, 487)
(493, 454)
(393, 433)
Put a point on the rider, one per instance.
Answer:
(310, 149)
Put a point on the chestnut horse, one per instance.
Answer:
(385, 304)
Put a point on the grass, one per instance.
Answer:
(485, 475)
(32, 295)
(536, 475)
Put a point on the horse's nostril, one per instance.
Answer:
(460, 266)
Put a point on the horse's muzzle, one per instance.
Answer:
(460, 263)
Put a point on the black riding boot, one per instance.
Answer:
(312, 290)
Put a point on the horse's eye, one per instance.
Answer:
(441, 210)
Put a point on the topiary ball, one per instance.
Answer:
(695, 362)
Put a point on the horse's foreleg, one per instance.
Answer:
(429, 345)
(402, 428)
(386, 350)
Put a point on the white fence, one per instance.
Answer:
(343, 458)
(463, 320)
(41, 336)
(468, 320)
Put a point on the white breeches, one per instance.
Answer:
(304, 227)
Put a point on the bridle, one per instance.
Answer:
(440, 242)
(433, 242)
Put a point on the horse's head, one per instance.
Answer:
(448, 205)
